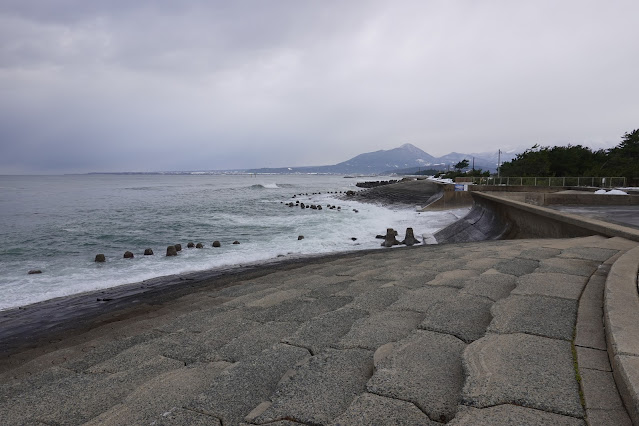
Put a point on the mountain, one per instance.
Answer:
(380, 161)
(405, 159)
(406, 155)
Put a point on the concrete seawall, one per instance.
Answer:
(501, 217)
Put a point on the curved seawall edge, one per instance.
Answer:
(493, 217)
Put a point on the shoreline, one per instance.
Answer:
(26, 327)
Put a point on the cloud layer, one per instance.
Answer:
(163, 85)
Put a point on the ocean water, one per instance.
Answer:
(57, 224)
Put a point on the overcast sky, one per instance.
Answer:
(201, 85)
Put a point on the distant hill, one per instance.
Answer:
(405, 159)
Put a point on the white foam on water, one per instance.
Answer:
(263, 237)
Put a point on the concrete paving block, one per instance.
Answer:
(594, 290)
(551, 285)
(508, 414)
(377, 273)
(380, 328)
(425, 369)
(276, 297)
(250, 297)
(377, 299)
(457, 278)
(608, 417)
(626, 373)
(369, 409)
(440, 265)
(566, 243)
(589, 253)
(182, 417)
(329, 290)
(493, 286)
(78, 398)
(465, 317)
(618, 243)
(255, 340)
(196, 321)
(520, 369)
(227, 326)
(232, 394)
(600, 391)
(158, 400)
(106, 350)
(128, 359)
(594, 359)
(481, 264)
(417, 280)
(420, 300)
(589, 331)
(324, 330)
(539, 253)
(569, 266)
(299, 310)
(357, 287)
(517, 267)
(544, 316)
(188, 347)
(313, 282)
(320, 389)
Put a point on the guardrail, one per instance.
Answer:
(599, 182)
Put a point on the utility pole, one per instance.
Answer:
(499, 164)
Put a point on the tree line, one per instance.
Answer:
(577, 160)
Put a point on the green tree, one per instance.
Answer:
(623, 160)
(577, 160)
(461, 165)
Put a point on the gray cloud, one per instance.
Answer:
(115, 85)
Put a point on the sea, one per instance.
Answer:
(57, 224)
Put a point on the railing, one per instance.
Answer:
(598, 182)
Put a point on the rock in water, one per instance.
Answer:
(199, 245)
(178, 247)
(128, 255)
(148, 252)
(410, 239)
(216, 243)
(34, 271)
(300, 237)
(190, 245)
(171, 251)
(390, 239)
(100, 258)
(236, 242)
